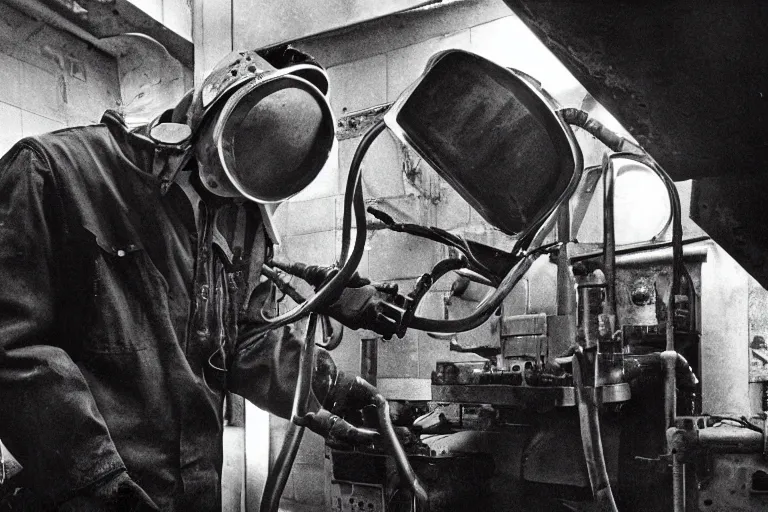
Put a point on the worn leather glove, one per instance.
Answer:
(115, 494)
(366, 307)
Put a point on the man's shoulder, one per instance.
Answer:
(57, 140)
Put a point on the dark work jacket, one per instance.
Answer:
(119, 315)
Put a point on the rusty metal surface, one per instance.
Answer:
(357, 123)
(686, 78)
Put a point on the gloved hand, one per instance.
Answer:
(337, 431)
(116, 494)
(366, 307)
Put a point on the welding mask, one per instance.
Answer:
(263, 133)
(260, 126)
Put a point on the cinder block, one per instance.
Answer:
(399, 357)
(405, 65)
(100, 91)
(10, 77)
(310, 479)
(363, 266)
(346, 151)
(33, 124)
(312, 450)
(383, 168)
(280, 219)
(42, 93)
(452, 211)
(312, 248)
(10, 120)
(358, 85)
(405, 209)
(400, 256)
(310, 216)
(277, 428)
(347, 355)
(431, 349)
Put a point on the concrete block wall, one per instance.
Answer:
(310, 222)
(49, 79)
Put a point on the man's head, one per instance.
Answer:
(261, 126)
(263, 129)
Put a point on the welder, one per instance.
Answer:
(130, 263)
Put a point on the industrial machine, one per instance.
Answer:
(584, 398)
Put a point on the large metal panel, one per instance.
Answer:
(688, 79)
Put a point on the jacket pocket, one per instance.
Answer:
(128, 295)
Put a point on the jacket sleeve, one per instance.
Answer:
(265, 367)
(48, 417)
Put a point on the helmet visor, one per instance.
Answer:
(274, 137)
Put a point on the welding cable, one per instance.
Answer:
(278, 476)
(283, 286)
(609, 237)
(274, 487)
(407, 474)
(625, 148)
(534, 237)
(333, 333)
(613, 140)
(304, 378)
(494, 300)
(589, 422)
(354, 189)
(435, 234)
(353, 200)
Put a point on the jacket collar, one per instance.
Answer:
(135, 145)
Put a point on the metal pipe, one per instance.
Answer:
(304, 378)
(369, 359)
(398, 454)
(592, 443)
(730, 439)
(494, 300)
(624, 253)
(353, 200)
(698, 252)
(609, 238)
(283, 286)
(678, 484)
(669, 365)
(566, 303)
(278, 476)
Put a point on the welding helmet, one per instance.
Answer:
(261, 124)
